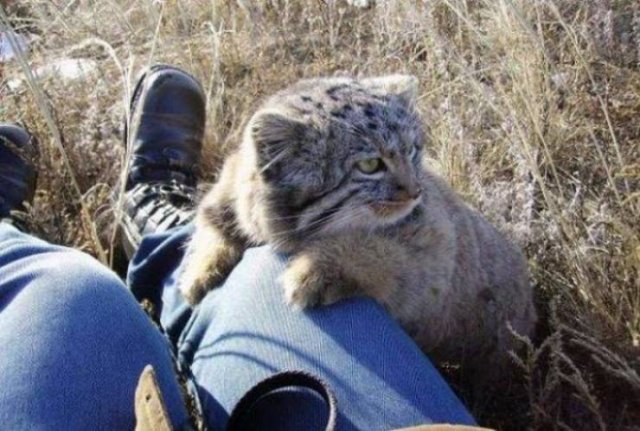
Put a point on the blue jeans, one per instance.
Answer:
(74, 342)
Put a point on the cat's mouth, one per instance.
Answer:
(392, 211)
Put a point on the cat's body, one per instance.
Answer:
(330, 170)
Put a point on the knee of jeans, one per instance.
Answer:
(73, 278)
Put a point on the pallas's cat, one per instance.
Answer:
(331, 170)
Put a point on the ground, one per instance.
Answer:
(532, 110)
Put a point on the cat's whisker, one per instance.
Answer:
(345, 219)
(317, 225)
(299, 229)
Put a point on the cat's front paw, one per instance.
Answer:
(196, 281)
(308, 282)
(206, 268)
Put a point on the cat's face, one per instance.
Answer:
(337, 154)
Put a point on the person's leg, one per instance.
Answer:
(74, 341)
(243, 332)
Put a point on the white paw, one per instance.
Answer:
(303, 283)
(307, 283)
(193, 289)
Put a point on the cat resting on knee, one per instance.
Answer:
(331, 171)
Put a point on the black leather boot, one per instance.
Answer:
(167, 125)
(18, 171)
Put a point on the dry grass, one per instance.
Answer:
(533, 110)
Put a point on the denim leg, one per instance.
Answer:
(74, 341)
(243, 332)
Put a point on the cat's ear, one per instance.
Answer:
(405, 87)
(274, 135)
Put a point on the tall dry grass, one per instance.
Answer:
(533, 111)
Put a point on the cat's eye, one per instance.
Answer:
(370, 166)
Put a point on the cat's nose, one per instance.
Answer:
(408, 192)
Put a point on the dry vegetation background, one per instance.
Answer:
(533, 110)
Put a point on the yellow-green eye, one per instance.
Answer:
(370, 166)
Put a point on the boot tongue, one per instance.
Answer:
(165, 153)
